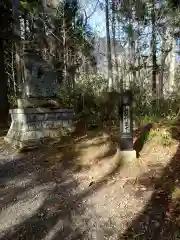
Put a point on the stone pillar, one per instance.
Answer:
(126, 151)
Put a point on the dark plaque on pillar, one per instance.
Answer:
(126, 121)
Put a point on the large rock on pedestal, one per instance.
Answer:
(38, 116)
(41, 87)
(31, 126)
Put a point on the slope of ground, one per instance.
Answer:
(75, 189)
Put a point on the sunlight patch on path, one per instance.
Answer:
(20, 182)
(28, 203)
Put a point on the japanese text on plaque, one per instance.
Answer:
(126, 119)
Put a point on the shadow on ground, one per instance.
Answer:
(160, 218)
(142, 138)
(39, 196)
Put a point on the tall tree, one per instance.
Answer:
(4, 106)
(109, 54)
(113, 24)
(5, 19)
(153, 47)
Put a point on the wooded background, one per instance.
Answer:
(140, 51)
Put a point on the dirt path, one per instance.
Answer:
(77, 191)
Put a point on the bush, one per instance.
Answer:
(91, 101)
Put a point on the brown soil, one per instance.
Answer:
(75, 189)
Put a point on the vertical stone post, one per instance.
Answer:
(126, 127)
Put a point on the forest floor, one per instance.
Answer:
(75, 189)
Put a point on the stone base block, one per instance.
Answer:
(32, 126)
(126, 157)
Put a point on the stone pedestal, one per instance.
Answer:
(31, 126)
(126, 158)
(38, 116)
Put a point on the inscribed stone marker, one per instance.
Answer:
(126, 121)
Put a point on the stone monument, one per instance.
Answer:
(126, 151)
(38, 116)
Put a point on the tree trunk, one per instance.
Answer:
(114, 44)
(132, 56)
(18, 45)
(172, 67)
(153, 45)
(13, 72)
(161, 75)
(109, 56)
(65, 51)
(139, 55)
(4, 106)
